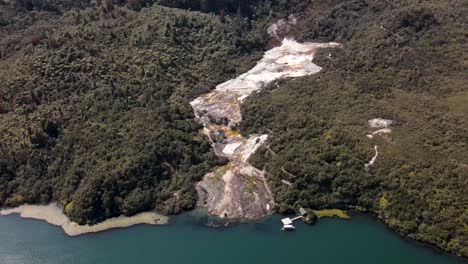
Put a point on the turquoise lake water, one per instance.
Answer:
(187, 240)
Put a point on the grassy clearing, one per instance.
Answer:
(332, 213)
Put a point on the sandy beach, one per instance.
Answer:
(53, 214)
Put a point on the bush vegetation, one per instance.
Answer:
(402, 60)
(94, 106)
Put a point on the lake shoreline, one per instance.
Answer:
(53, 214)
(73, 230)
(415, 242)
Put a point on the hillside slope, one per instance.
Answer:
(95, 114)
(94, 108)
(401, 60)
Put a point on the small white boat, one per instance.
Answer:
(288, 228)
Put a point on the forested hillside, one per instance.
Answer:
(402, 60)
(95, 114)
(94, 106)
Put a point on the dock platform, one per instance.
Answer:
(289, 221)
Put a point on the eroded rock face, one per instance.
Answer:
(291, 59)
(239, 190)
(384, 130)
(380, 123)
(282, 27)
(236, 191)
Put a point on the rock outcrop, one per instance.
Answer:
(239, 190)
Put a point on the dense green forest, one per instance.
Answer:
(402, 60)
(245, 8)
(94, 105)
(95, 114)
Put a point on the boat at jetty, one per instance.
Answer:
(288, 228)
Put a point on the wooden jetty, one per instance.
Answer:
(288, 222)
